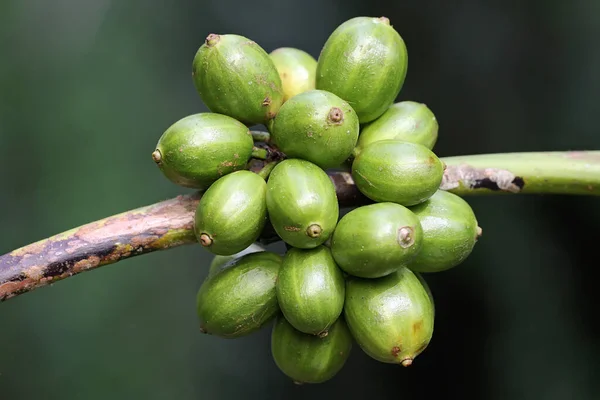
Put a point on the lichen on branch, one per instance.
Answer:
(571, 172)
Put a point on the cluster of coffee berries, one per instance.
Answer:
(341, 280)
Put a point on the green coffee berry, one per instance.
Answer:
(236, 77)
(199, 149)
(316, 126)
(397, 171)
(391, 318)
(408, 120)
(364, 61)
(307, 358)
(241, 298)
(310, 289)
(301, 203)
(376, 240)
(296, 69)
(232, 213)
(450, 232)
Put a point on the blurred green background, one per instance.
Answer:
(88, 87)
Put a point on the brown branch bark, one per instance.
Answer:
(170, 223)
(159, 226)
(155, 227)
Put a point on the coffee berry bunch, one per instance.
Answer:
(345, 279)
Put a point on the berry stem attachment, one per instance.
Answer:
(260, 136)
(266, 170)
(260, 154)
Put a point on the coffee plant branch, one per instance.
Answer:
(169, 223)
(573, 172)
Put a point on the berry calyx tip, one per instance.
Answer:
(205, 240)
(323, 334)
(314, 230)
(407, 362)
(212, 39)
(157, 156)
(406, 237)
(384, 20)
(336, 115)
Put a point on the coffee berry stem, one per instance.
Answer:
(169, 223)
(260, 154)
(266, 170)
(260, 136)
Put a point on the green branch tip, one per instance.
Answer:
(573, 172)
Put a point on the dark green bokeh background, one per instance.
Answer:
(87, 88)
